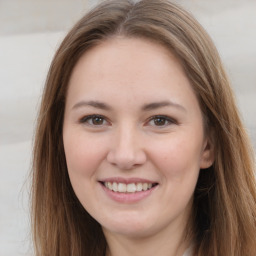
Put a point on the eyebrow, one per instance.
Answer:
(92, 103)
(146, 107)
(161, 104)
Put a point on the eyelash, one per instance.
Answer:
(86, 119)
(166, 119)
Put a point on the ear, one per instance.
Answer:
(207, 156)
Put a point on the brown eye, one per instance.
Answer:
(160, 121)
(97, 120)
(94, 120)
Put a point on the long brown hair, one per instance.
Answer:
(225, 196)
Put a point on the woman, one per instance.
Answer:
(139, 147)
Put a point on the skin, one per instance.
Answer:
(127, 74)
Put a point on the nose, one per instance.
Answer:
(126, 151)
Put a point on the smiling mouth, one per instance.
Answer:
(128, 188)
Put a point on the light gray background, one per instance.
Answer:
(31, 30)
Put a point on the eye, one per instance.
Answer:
(161, 121)
(94, 120)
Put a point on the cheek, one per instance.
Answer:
(83, 154)
(177, 157)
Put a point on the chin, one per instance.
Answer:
(130, 227)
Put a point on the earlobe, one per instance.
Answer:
(207, 157)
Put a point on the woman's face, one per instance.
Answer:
(133, 137)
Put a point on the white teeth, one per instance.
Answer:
(114, 187)
(139, 187)
(109, 185)
(131, 188)
(145, 186)
(127, 188)
(121, 187)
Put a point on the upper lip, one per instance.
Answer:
(127, 180)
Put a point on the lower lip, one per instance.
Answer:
(128, 197)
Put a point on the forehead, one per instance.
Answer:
(136, 56)
(129, 68)
(118, 51)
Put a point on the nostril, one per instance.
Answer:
(122, 160)
(126, 159)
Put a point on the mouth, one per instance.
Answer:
(120, 187)
(128, 191)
